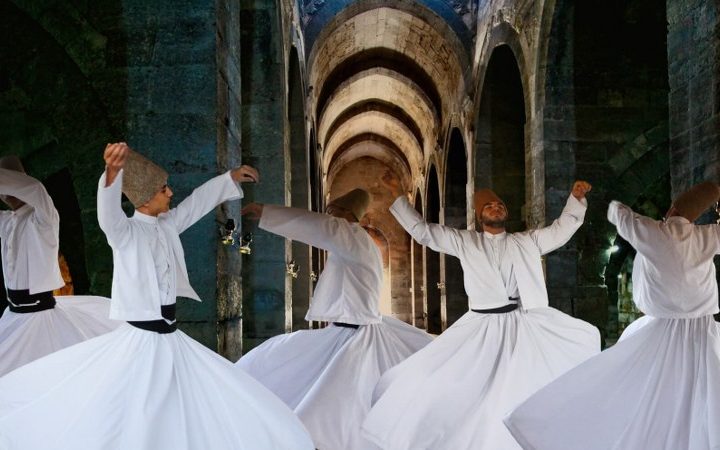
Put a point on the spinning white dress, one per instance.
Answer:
(454, 393)
(138, 389)
(327, 376)
(659, 387)
(29, 238)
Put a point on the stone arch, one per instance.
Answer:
(417, 280)
(500, 134)
(52, 87)
(610, 62)
(434, 314)
(456, 174)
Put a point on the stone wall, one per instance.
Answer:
(266, 302)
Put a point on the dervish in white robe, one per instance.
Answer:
(145, 385)
(659, 387)
(327, 376)
(454, 393)
(36, 323)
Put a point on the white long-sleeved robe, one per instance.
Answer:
(29, 236)
(136, 292)
(349, 287)
(483, 282)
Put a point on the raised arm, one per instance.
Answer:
(111, 216)
(203, 199)
(564, 227)
(29, 191)
(318, 230)
(438, 237)
(210, 194)
(642, 232)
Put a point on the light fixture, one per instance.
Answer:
(313, 276)
(245, 244)
(227, 233)
(614, 248)
(292, 269)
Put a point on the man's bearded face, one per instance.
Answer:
(494, 214)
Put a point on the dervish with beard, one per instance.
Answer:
(454, 393)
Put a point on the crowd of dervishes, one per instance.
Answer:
(88, 372)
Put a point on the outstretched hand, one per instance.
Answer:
(392, 183)
(253, 210)
(245, 174)
(580, 189)
(115, 156)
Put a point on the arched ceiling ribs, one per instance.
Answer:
(379, 57)
(388, 87)
(372, 138)
(372, 146)
(381, 124)
(439, 14)
(375, 105)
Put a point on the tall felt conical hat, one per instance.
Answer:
(12, 162)
(484, 196)
(695, 201)
(142, 179)
(355, 201)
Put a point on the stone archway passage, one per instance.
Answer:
(455, 217)
(500, 161)
(418, 285)
(433, 291)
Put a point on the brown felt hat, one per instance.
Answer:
(696, 200)
(355, 201)
(483, 197)
(142, 179)
(12, 162)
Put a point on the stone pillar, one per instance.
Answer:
(265, 283)
(171, 117)
(694, 75)
(229, 260)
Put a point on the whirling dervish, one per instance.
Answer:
(328, 375)
(659, 387)
(37, 323)
(147, 385)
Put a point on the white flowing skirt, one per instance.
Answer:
(136, 389)
(657, 389)
(454, 393)
(29, 336)
(327, 376)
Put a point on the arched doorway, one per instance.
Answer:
(418, 285)
(455, 217)
(500, 138)
(433, 291)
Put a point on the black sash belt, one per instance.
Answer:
(22, 301)
(159, 326)
(500, 310)
(346, 325)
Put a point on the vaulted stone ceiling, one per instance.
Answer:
(383, 83)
